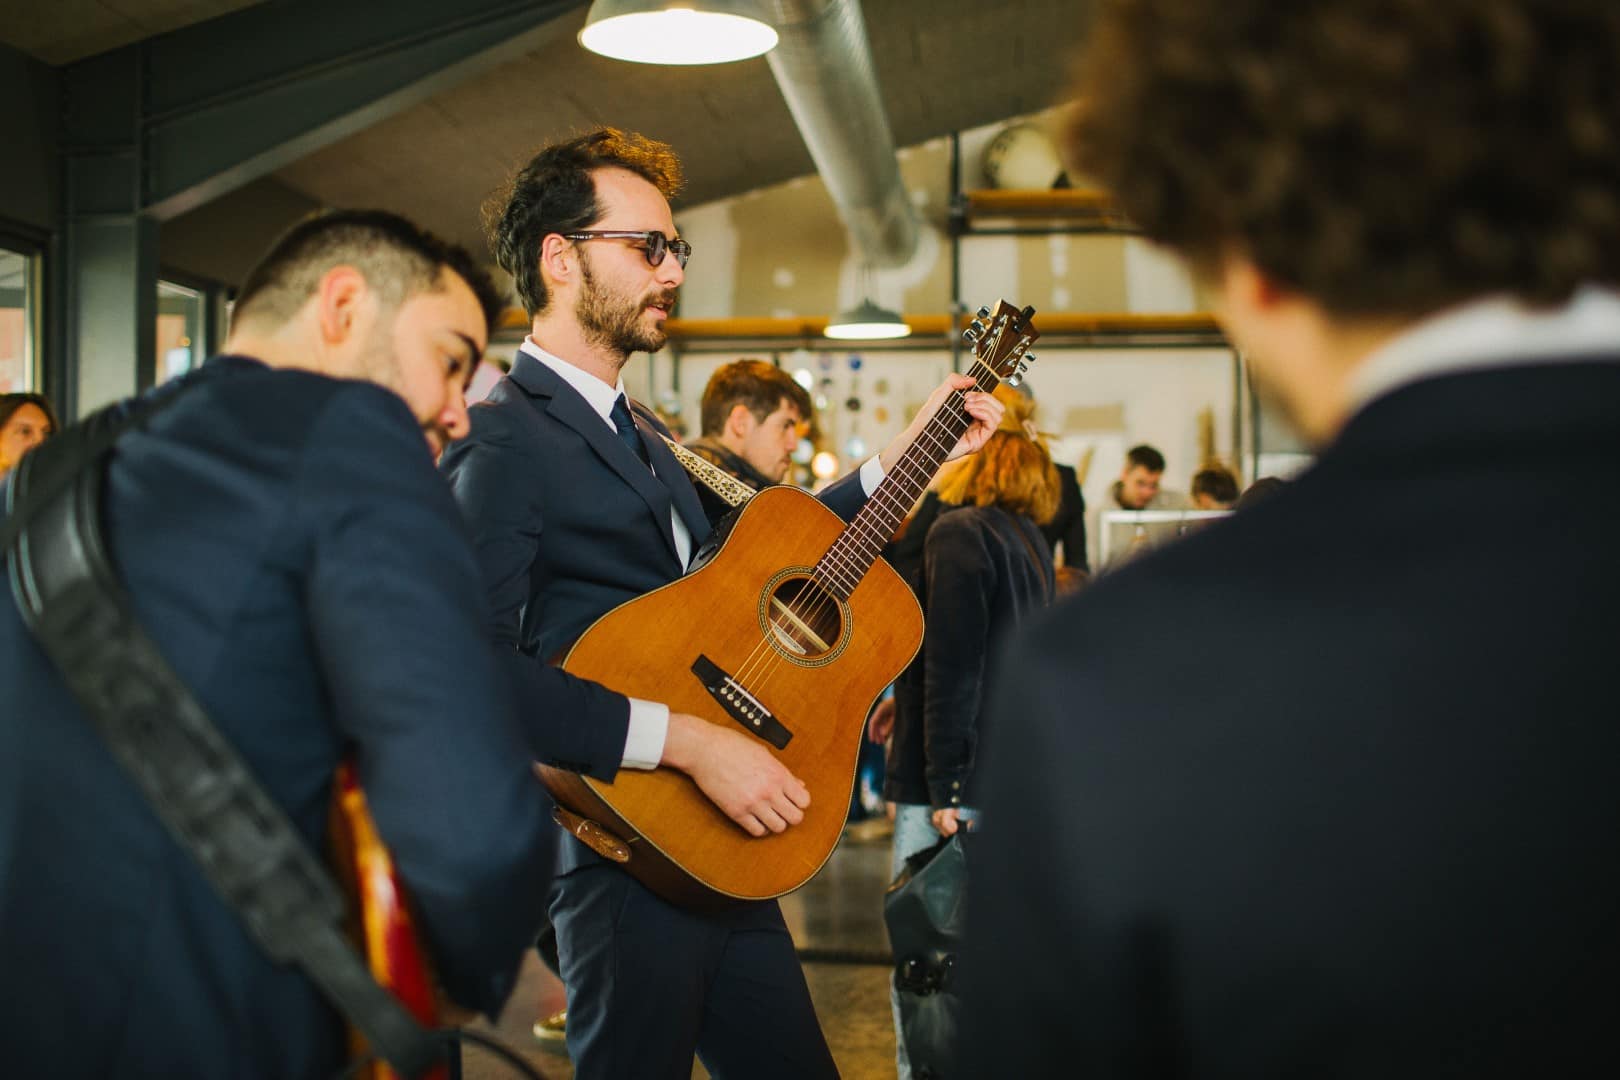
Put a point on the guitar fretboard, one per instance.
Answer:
(852, 554)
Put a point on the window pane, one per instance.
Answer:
(16, 323)
(179, 330)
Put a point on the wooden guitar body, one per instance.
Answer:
(751, 641)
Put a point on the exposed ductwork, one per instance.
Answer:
(823, 64)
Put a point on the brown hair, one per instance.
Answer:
(10, 403)
(1011, 471)
(1217, 482)
(556, 193)
(760, 386)
(1384, 157)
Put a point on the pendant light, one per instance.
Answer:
(866, 321)
(677, 31)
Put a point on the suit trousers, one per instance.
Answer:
(650, 985)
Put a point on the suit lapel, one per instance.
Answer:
(570, 409)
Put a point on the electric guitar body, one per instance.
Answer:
(789, 632)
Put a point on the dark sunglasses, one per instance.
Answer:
(654, 243)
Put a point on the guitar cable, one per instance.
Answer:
(452, 1036)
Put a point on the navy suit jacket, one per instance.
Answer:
(288, 545)
(568, 524)
(1331, 788)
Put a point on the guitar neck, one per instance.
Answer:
(852, 555)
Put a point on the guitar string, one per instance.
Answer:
(841, 570)
(836, 564)
(864, 533)
(837, 569)
(844, 569)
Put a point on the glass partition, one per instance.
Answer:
(179, 329)
(18, 370)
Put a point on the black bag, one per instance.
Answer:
(925, 914)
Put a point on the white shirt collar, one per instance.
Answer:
(1494, 332)
(597, 394)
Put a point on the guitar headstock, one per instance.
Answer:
(1000, 341)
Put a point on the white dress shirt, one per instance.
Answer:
(1495, 332)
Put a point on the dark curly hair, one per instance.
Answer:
(556, 192)
(1384, 157)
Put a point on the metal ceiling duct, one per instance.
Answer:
(823, 64)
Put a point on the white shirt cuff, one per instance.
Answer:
(871, 474)
(644, 742)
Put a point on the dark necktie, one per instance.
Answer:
(626, 428)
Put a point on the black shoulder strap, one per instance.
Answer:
(71, 599)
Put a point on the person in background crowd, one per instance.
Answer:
(577, 505)
(283, 537)
(986, 567)
(1138, 488)
(753, 414)
(1391, 853)
(26, 420)
(1262, 488)
(1214, 488)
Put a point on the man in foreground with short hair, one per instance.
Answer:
(1390, 853)
(752, 413)
(286, 542)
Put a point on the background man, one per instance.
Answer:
(577, 505)
(1392, 854)
(1136, 489)
(285, 540)
(1214, 488)
(752, 413)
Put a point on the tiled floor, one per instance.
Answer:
(837, 921)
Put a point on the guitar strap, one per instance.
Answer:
(204, 793)
(710, 475)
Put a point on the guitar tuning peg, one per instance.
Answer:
(1029, 358)
(1015, 378)
(984, 313)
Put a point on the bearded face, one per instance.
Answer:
(617, 321)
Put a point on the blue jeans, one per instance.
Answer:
(913, 832)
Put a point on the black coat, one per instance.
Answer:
(1332, 788)
(983, 571)
(1068, 525)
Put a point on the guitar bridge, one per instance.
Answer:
(739, 704)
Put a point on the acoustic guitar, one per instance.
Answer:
(789, 631)
(383, 926)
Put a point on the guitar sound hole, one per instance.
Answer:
(804, 618)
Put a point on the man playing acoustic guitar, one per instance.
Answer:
(576, 507)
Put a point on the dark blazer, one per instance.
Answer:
(1068, 525)
(984, 571)
(1331, 788)
(568, 524)
(290, 548)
